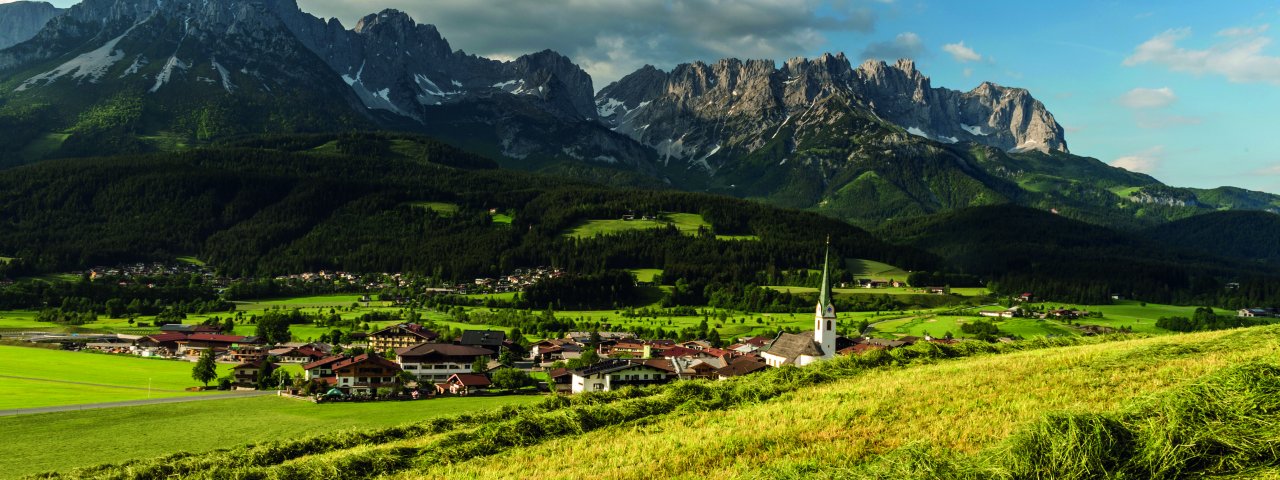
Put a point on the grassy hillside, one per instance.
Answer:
(896, 413)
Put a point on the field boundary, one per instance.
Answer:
(134, 403)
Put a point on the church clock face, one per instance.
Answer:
(831, 310)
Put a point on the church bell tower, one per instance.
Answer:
(824, 322)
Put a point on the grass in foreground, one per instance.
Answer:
(35, 443)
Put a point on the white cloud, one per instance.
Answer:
(905, 45)
(961, 53)
(1140, 98)
(1269, 170)
(1146, 161)
(612, 38)
(1238, 56)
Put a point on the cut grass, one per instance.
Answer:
(36, 443)
(863, 268)
(962, 406)
(502, 218)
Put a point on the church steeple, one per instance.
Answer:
(824, 321)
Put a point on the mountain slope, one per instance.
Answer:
(20, 21)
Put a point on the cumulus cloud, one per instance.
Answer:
(1143, 98)
(1146, 161)
(905, 45)
(961, 53)
(610, 39)
(1238, 55)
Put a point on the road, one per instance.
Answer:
(134, 403)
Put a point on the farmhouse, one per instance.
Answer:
(741, 366)
(322, 368)
(463, 383)
(436, 362)
(1254, 312)
(804, 348)
(401, 335)
(618, 372)
(365, 374)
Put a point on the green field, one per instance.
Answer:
(502, 218)
(191, 260)
(36, 443)
(964, 292)
(646, 275)
(940, 325)
(116, 377)
(863, 268)
(687, 223)
(442, 208)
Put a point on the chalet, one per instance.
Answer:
(195, 344)
(680, 352)
(365, 374)
(322, 368)
(560, 380)
(697, 368)
(401, 335)
(487, 339)
(463, 383)
(629, 347)
(1025, 297)
(740, 366)
(296, 354)
(436, 362)
(696, 345)
(938, 290)
(248, 353)
(246, 374)
(618, 372)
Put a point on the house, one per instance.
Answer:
(693, 369)
(365, 374)
(740, 366)
(248, 353)
(1025, 297)
(164, 344)
(436, 362)
(615, 373)
(1253, 312)
(322, 368)
(296, 354)
(696, 345)
(560, 380)
(246, 374)
(488, 339)
(401, 335)
(463, 383)
(196, 343)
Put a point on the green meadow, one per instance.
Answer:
(687, 223)
(58, 441)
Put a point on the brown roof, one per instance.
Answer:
(409, 328)
(167, 337)
(742, 366)
(793, 345)
(447, 349)
(213, 337)
(366, 358)
(324, 362)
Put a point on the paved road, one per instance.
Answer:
(134, 403)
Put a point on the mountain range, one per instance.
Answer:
(866, 143)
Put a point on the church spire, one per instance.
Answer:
(824, 298)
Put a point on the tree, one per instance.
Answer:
(507, 358)
(480, 365)
(273, 328)
(282, 378)
(512, 379)
(206, 368)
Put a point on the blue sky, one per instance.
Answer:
(1185, 91)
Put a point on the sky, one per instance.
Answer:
(1185, 91)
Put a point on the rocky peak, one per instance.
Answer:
(19, 21)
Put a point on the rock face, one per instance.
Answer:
(698, 110)
(20, 21)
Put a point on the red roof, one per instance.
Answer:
(324, 361)
(758, 341)
(717, 352)
(213, 337)
(680, 352)
(167, 337)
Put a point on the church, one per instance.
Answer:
(807, 347)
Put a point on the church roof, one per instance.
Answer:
(794, 345)
(824, 298)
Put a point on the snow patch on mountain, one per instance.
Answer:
(227, 84)
(89, 66)
(973, 130)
